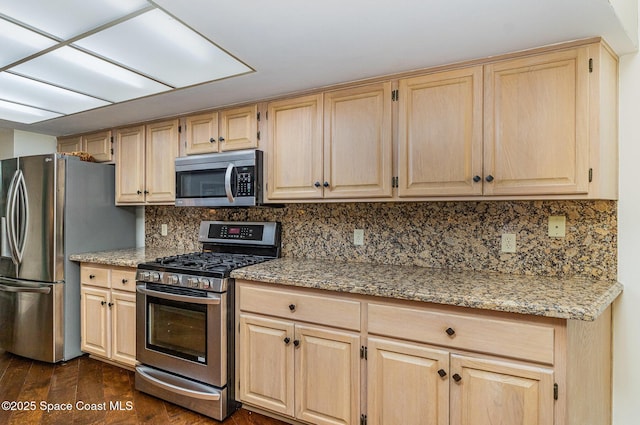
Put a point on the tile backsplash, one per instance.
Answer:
(454, 235)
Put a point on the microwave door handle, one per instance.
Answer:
(227, 183)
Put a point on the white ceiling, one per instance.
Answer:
(297, 45)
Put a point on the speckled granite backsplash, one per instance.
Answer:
(454, 235)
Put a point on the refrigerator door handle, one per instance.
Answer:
(23, 216)
(39, 290)
(11, 218)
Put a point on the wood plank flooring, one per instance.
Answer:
(33, 385)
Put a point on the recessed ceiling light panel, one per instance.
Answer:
(24, 114)
(157, 45)
(28, 92)
(70, 68)
(67, 18)
(18, 42)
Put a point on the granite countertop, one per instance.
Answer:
(129, 257)
(565, 298)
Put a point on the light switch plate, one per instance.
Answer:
(557, 226)
(358, 237)
(163, 230)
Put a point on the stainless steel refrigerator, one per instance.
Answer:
(52, 206)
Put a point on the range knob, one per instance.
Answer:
(155, 276)
(173, 279)
(192, 282)
(144, 276)
(205, 282)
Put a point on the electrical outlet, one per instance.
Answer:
(163, 230)
(358, 237)
(508, 242)
(557, 226)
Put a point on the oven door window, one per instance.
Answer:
(203, 183)
(177, 328)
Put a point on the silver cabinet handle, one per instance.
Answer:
(38, 290)
(146, 374)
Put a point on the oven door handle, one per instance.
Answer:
(176, 389)
(210, 299)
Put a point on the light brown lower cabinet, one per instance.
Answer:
(108, 313)
(419, 363)
(307, 372)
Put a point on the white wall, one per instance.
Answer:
(626, 355)
(21, 143)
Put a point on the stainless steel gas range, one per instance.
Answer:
(185, 316)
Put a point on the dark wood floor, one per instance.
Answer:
(32, 385)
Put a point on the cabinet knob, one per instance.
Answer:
(457, 377)
(221, 139)
(450, 332)
(292, 307)
(103, 302)
(296, 343)
(287, 340)
(212, 140)
(146, 192)
(110, 305)
(442, 373)
(489, 178)
(92, 276)
(476, 179)
(139, 192)
(325, 184)
(317, 184)
(124, 281)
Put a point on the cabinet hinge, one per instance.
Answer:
(590, 175)
(258, 135)
(258, 116)
(111, 151)
(394, 182)
(363, 419)
(395, 95)
(179, 129)
(363, 352)
(590, 64)
(266, 115)
(555, 391)
(112, 140)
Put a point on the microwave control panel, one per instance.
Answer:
(244, 182)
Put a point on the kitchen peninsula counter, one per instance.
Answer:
(559, 297)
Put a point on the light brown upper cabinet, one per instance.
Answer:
(336, 145)
(145, 163)
(440, 134)
(219, 131)
(537, 124)
(531, 126)
(99, 145)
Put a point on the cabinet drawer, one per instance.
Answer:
(123, 279)
(294, 305)
(510, 338)
(95, 276)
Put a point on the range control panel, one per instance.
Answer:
(246, 232)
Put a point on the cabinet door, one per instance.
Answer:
(295, 148)
(94, 321)
(497, 392)
(130, 163)
(357, 142)
(202, 133)
(536, 124)
(404, 386)
(99, 146)
(161, 152)
(70, 144)
(123, 327)
(239, 128)
(440, 134)
(266, 363)
(327, 376)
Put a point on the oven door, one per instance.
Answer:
(183, 331)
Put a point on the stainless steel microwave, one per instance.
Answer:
(228, 179)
